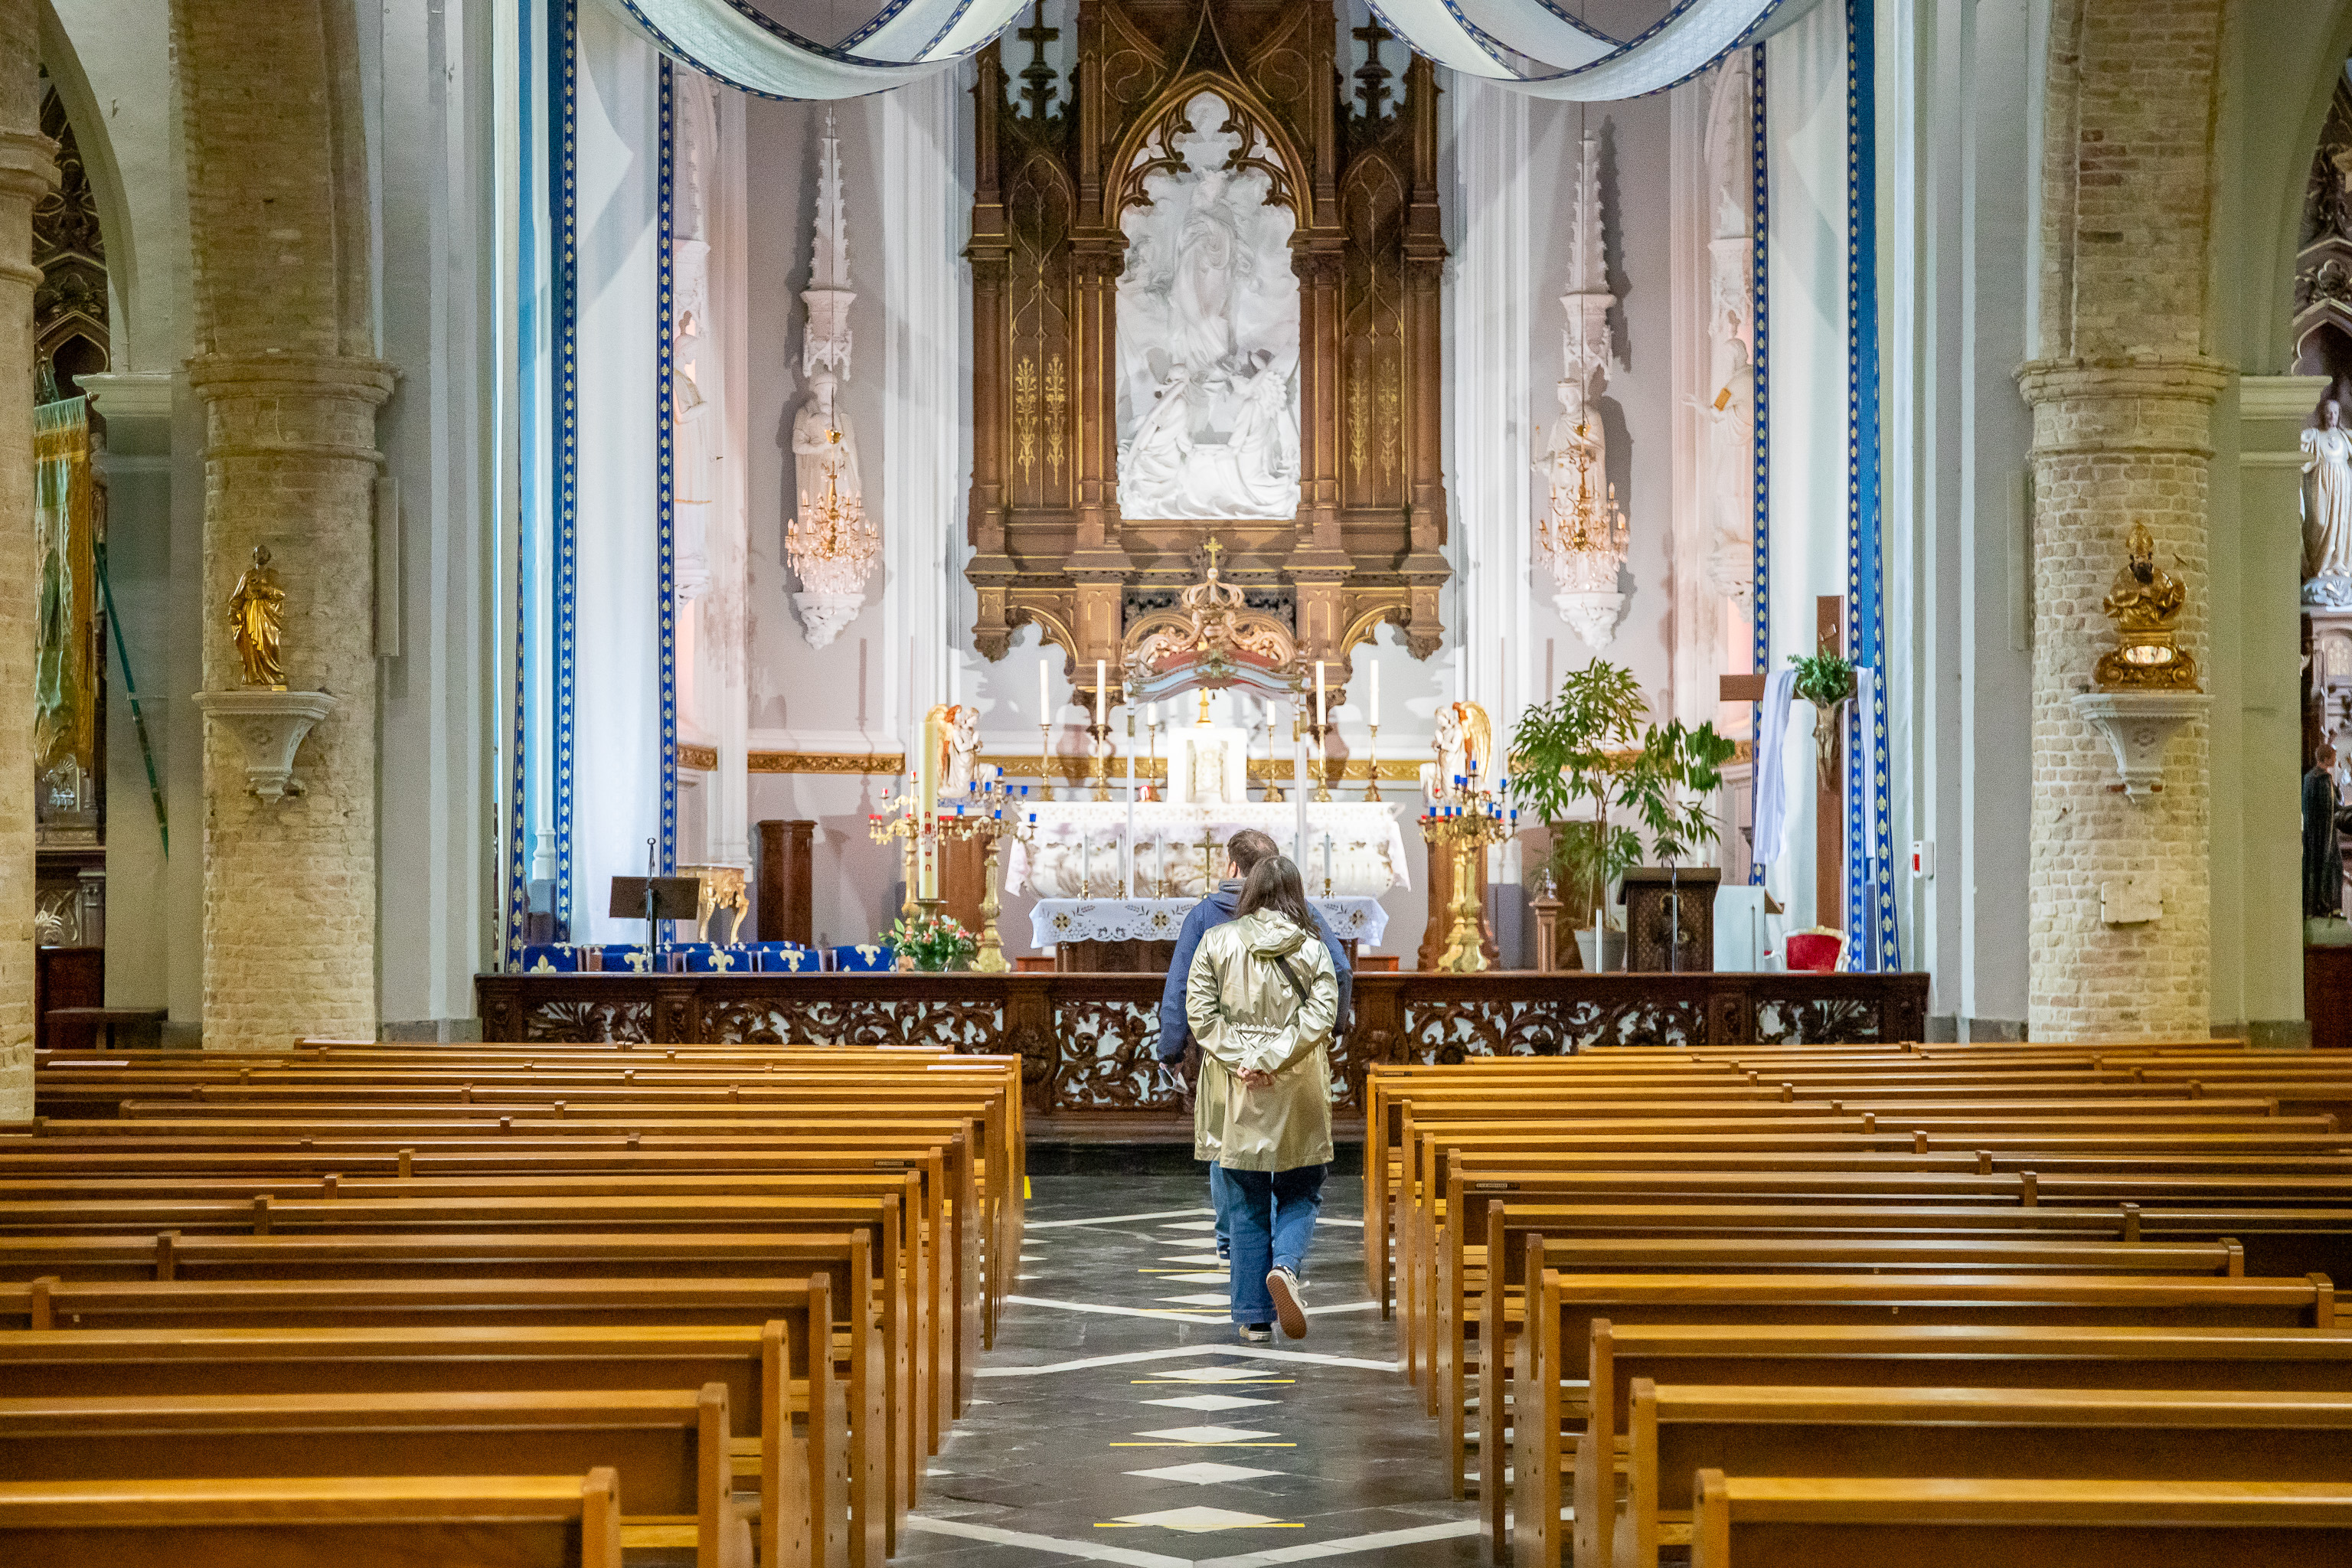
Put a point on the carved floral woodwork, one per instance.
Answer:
(1086, 1040)
(1066, 166)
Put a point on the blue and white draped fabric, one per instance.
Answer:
(1538, 47)
(623, 958)
(750, 44)
(549, 958)
(1534, 45)
(865, 957)
(785, 958)
(715, 958)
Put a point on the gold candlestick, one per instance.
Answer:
(1466, 834)
(1273, 769)
(1045, 762)
(1322, 733)
(1372, 789)
(1101, 732)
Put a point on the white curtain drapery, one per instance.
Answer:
(1535, 46)
(747, 44)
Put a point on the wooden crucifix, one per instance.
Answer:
(1828, 783)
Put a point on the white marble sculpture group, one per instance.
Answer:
(1208, 337)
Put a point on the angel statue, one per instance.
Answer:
(957, 736)
(256, 607)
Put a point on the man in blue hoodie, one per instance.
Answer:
(1242, 852)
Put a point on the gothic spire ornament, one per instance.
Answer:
(1581, 535)
(832, 545)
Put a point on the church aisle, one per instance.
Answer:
(1117, 1421)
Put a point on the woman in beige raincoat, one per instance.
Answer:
(1262, 1000)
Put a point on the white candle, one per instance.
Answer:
(1045, 693)
(1376, 696)
(1319, 694)
(1326, 865)
(1100, 683)
(1298, 794)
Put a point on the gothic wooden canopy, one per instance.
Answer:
(1059, 165)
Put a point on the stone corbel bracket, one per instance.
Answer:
(2138, 726)
(271, 727)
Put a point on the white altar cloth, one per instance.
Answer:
(1073, 848)
(1055, 920)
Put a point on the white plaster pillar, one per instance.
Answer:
(1493, 404)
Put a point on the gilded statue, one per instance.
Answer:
(2146, 605)
(257, 606)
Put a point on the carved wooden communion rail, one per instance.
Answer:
(1086, 1040)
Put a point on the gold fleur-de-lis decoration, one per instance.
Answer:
(1025, 415)
(1058, 398)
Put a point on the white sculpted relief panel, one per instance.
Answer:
(1208, 336)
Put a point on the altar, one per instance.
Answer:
(1080, 849)
(1125, 935)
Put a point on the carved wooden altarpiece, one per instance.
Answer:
(1062, 164)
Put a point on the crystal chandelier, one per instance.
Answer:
(1583, 537)
(833, 550)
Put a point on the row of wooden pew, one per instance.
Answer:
(358, 1303)
(1909, 1303)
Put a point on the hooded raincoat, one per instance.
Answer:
(1249, 1018)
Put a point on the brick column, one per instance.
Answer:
(27, 170)
(279, 220)
(291, 886)
(2114, 443)
(2122, 388)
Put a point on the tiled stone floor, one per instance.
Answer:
(1122, 1423)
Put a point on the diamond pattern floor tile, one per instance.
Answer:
(1203, 1473)
(1210, 1373)
(1190, 1225)
(1206, 1259)
(1197, 1520)
(1197, 1277)
(1209, 1402)
(1199, 1298)
(1205, 1433)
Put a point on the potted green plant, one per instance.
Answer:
(1566, 756)
(1588, 766)
(934, 942)
(1825, 680)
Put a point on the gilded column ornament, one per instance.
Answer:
(256, 611)
(1024, 416)
(1057, 403)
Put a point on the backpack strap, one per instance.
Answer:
(1283, 964)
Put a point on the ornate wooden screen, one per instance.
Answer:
(1060, 164)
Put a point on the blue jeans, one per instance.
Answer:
(1217, 1201)
(1271, 1216)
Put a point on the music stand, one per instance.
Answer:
(654, 899)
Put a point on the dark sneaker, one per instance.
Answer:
(1289, 1293)
(1258, 1333)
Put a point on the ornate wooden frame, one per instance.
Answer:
(1359, 172)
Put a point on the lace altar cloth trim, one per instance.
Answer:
(1074, 845)
(1058, 921)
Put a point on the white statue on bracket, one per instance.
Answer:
(1208, 334)
(1727, 411)
(696, 434)
(833, 547)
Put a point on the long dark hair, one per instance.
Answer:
(1274, 884)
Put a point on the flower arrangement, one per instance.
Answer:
(934, 942)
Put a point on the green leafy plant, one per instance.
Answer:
(1587, 764)
(1824, 678)
(1670, 783)
(933, 940)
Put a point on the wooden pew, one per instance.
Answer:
(670, 1447)
(1887, 1354)
(1486, 1322)
(377, 1522)
(791, 1417)
(1779, 1522)
(881, 1437)
(1553, 1347)
(1676, 1430)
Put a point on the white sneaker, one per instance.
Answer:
(1289, 1293)
(1258, 1333)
